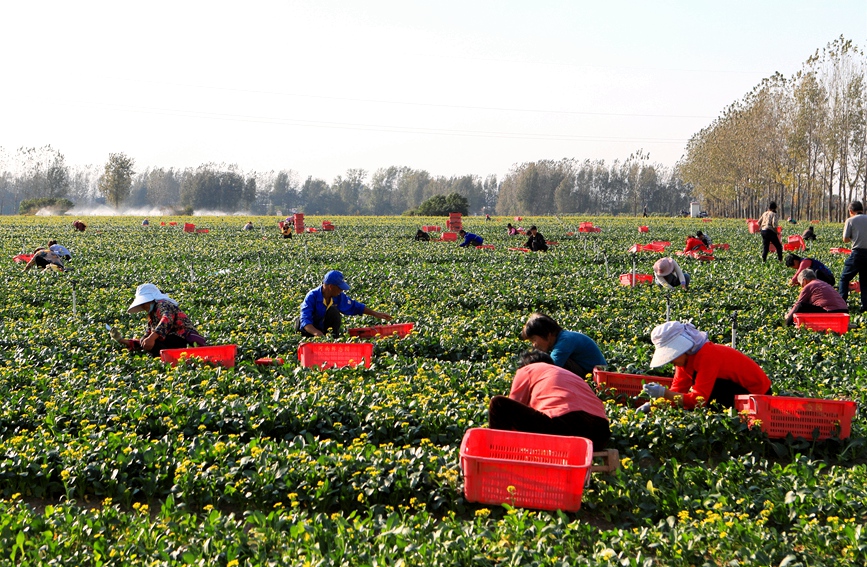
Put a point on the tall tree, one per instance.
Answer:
(117, 179)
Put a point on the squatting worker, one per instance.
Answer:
(705, 372)
(322, 307)
(470, 239)
(60, 250)
(668, 274)
(167, 326)
(816, 297)
(548, 399)
(571, 350)
(536, 242)
(855, 233)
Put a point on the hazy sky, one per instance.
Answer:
(453, 87)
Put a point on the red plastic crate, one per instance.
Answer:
(626, 279)
(22, 258)
(841, 251)
(643, 229)
(781, 415)
(527, 470)
(627, 384)
(518, 249)
(399, 329)
(189, 227)
(203, 230)
(486, 247)
(449, 236)
(854, 287)
(223, 355)
(335, 355)
(836, 322)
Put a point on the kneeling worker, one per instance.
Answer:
(816, 297)
(322, 308)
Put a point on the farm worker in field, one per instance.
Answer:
(768, 223)
(249, 225)
(694, 244)
(800, 264)
(809, 234)
(855, 233)
(668, 274)
(470, 239)
(572, 350)
(511, 230)
(422, 236)
(816, 296)
(705, 239)
(45, 258)
(548, 399)
(286, 230)
(167, 326)
(704, 372)
(536, 242)
(60, 250)
(79, 226)
(145, 222)
(322, 307)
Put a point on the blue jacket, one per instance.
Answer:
(470, 238)
(313, 307)
(578, 347)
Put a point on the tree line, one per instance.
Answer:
(801, 141)
(543, 187)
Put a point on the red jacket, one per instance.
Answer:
(696, 379)
(554, 391)
(695, 244)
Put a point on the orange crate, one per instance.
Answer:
(626, 279)
(335, 355)
(836, 322)
(223, 355)
(399, 329)
(528, 470)
(781, 415)
(627, 384)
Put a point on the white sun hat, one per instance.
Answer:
(670, 341)
(145, 293)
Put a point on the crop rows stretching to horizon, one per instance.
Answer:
(111, 458)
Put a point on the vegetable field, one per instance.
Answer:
(110, 458)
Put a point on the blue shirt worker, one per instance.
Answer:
(470, 239)
(323, 307)
(571, 350)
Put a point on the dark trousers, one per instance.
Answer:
(507, 414)
(856, 265)
(810, 308)
(827, 277)
(333, 320)
(771, 237)
(724, 392)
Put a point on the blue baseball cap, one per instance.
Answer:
(335, 278)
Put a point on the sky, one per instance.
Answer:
(451, 87)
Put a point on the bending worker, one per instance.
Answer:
(668, 274)
(322, 308)
(704, 372)
(470, 239)
(572, 350)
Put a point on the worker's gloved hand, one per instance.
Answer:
(644, 408)
(654, 390)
